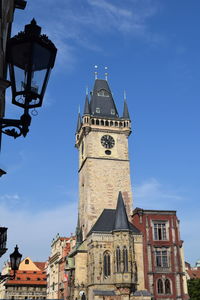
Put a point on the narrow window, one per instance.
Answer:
(162, 259)
(106, 264)
(160, 286)
(97, 122)
(125, 259)
(107, 124)
(102, 122)
(167, 287)
(98, 110)
(118, 259)
(160, 231)
(92, 121)
(112, 111)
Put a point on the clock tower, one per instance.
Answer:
(104, 167)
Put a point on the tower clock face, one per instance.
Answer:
(107, 141)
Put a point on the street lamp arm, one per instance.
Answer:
(6, 276)
(22, 125)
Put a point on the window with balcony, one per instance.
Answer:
(162, 258)
(160, 231)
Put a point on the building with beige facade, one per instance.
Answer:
(29, 283)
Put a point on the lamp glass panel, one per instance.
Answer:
(41, 57)
(20, 79)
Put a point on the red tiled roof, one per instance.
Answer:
(40, 265)
(193, 273)
(28, 278)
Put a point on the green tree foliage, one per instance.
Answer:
(194, 289)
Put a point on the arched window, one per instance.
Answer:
(118, 259)
(97, 122)
(27, 261)
(92, 121)
(160, 286)
(102, 122)
(167, 287)
(116, 124)
(111, 123)
(106, 264)
(107, 124)
(125, 259)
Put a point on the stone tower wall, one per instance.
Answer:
(102, 176)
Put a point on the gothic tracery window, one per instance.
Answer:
(118, 259)
(160, 286)
(106, 264)
(167, 287)
(125, 259)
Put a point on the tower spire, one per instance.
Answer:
(79, 235)
(87, 106)
(79, 122)
(121, 219)
(125, 111)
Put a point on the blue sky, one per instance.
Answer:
(152, 51)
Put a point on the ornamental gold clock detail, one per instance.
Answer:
(107, 141)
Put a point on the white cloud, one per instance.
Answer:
(73, 24)
(152, 194)
(33, 232)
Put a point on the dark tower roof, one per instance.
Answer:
(87, 106)
(126, 112)
(79, 235)
(102, 103)
(121, 219)
(78, 123)
(114, 220)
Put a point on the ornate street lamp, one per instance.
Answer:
(15, 259)
(30, 57)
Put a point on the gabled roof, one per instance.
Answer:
(102, 103)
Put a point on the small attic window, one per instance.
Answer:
(103, 93)
(27, 261)
(97, 110)
(112, 111)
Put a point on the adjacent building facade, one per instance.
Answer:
(29, 283)
(164, 265)
(56, 265)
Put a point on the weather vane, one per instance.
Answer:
(106, 73)
(124, 95)
(95, 73)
